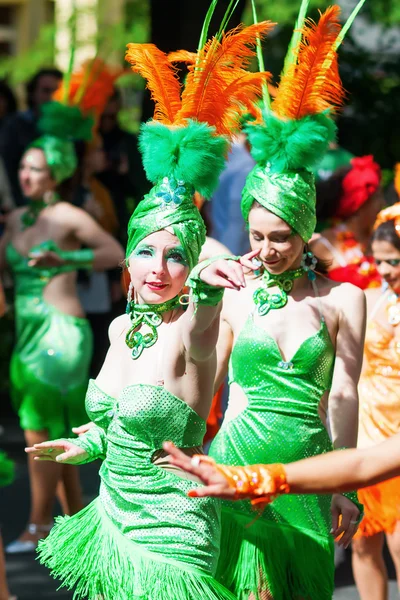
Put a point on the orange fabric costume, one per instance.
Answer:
(379, 419)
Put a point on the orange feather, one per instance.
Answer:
(162, 81)
(182, 56)
(210, 95)
(313, 84)
(91, 87)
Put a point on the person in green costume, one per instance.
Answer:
(143, 537)
(49, 366)
(292, 342)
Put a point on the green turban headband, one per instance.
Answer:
(168, 204)
(282, 181)
(60, 124)
(179, 161)
(60, 156)
(290, 196)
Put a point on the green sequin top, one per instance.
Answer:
(279, 424)
(50, 362)
(143, 533)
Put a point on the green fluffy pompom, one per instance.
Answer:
(65, 122)
(193, 154)
(291, 145)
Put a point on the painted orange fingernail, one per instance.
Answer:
(192, 494)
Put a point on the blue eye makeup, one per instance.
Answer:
(143, 252)
(178, 255)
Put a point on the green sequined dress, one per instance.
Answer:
(288, 549)
(143, 538)
(50, 362)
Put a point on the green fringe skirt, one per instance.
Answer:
(274, 560)
(89, 554)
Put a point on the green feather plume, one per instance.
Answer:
(65, 122)
(192, 154)
(291, 145)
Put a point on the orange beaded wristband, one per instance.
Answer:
(260, 483)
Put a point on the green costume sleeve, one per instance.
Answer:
(352, 496)
(94, 442)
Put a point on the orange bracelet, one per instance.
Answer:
(260, 483)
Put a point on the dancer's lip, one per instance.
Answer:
(272, 262)
(153, 285)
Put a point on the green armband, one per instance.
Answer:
(201, 292)
(78, 259)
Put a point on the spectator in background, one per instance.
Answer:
(351, 198)
(227, 223)
(8, 102)
(20, 129)
(123, 174)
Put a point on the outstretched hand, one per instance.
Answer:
(229, 273)
(215, 483)
(58, 451)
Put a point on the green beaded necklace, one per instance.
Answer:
(34, 209)
(146, 314)
(264, 300)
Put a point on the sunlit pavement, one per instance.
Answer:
(31, 581)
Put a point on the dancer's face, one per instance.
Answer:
(34, 174)
(387, 259)
(280, 248)
(158, 267)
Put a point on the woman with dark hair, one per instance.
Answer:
(379, 417)
(351, 197)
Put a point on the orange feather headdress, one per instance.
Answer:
(297, 125)
(189, 133)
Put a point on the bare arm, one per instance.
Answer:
(201, 325)
(343, 397)
(345, 470)
(108, 253)
(224, 349)
(334, 472)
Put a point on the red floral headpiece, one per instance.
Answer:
(358, 185)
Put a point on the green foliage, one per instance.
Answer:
(18, 69)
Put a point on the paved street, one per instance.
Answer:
(28, 579)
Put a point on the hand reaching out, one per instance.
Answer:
(83, 428)
(58, 451)
(229, 273)
(215, 483)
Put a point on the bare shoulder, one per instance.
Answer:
(349, 299)
(118, 327)
(66, 209)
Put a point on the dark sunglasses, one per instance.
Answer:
(393, 262)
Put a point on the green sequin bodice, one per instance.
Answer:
(281, 422)
(146, 503)
(50, 362)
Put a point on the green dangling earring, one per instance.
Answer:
(149, 315)
(309, 263)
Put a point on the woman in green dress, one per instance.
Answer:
(143, 537)
(294, 344)
(49, 366)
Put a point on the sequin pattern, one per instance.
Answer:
(50, 362)
(148, 504)
(281, 422)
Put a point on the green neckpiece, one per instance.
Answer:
(34, 209)
(150, 315)
(264, 300)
